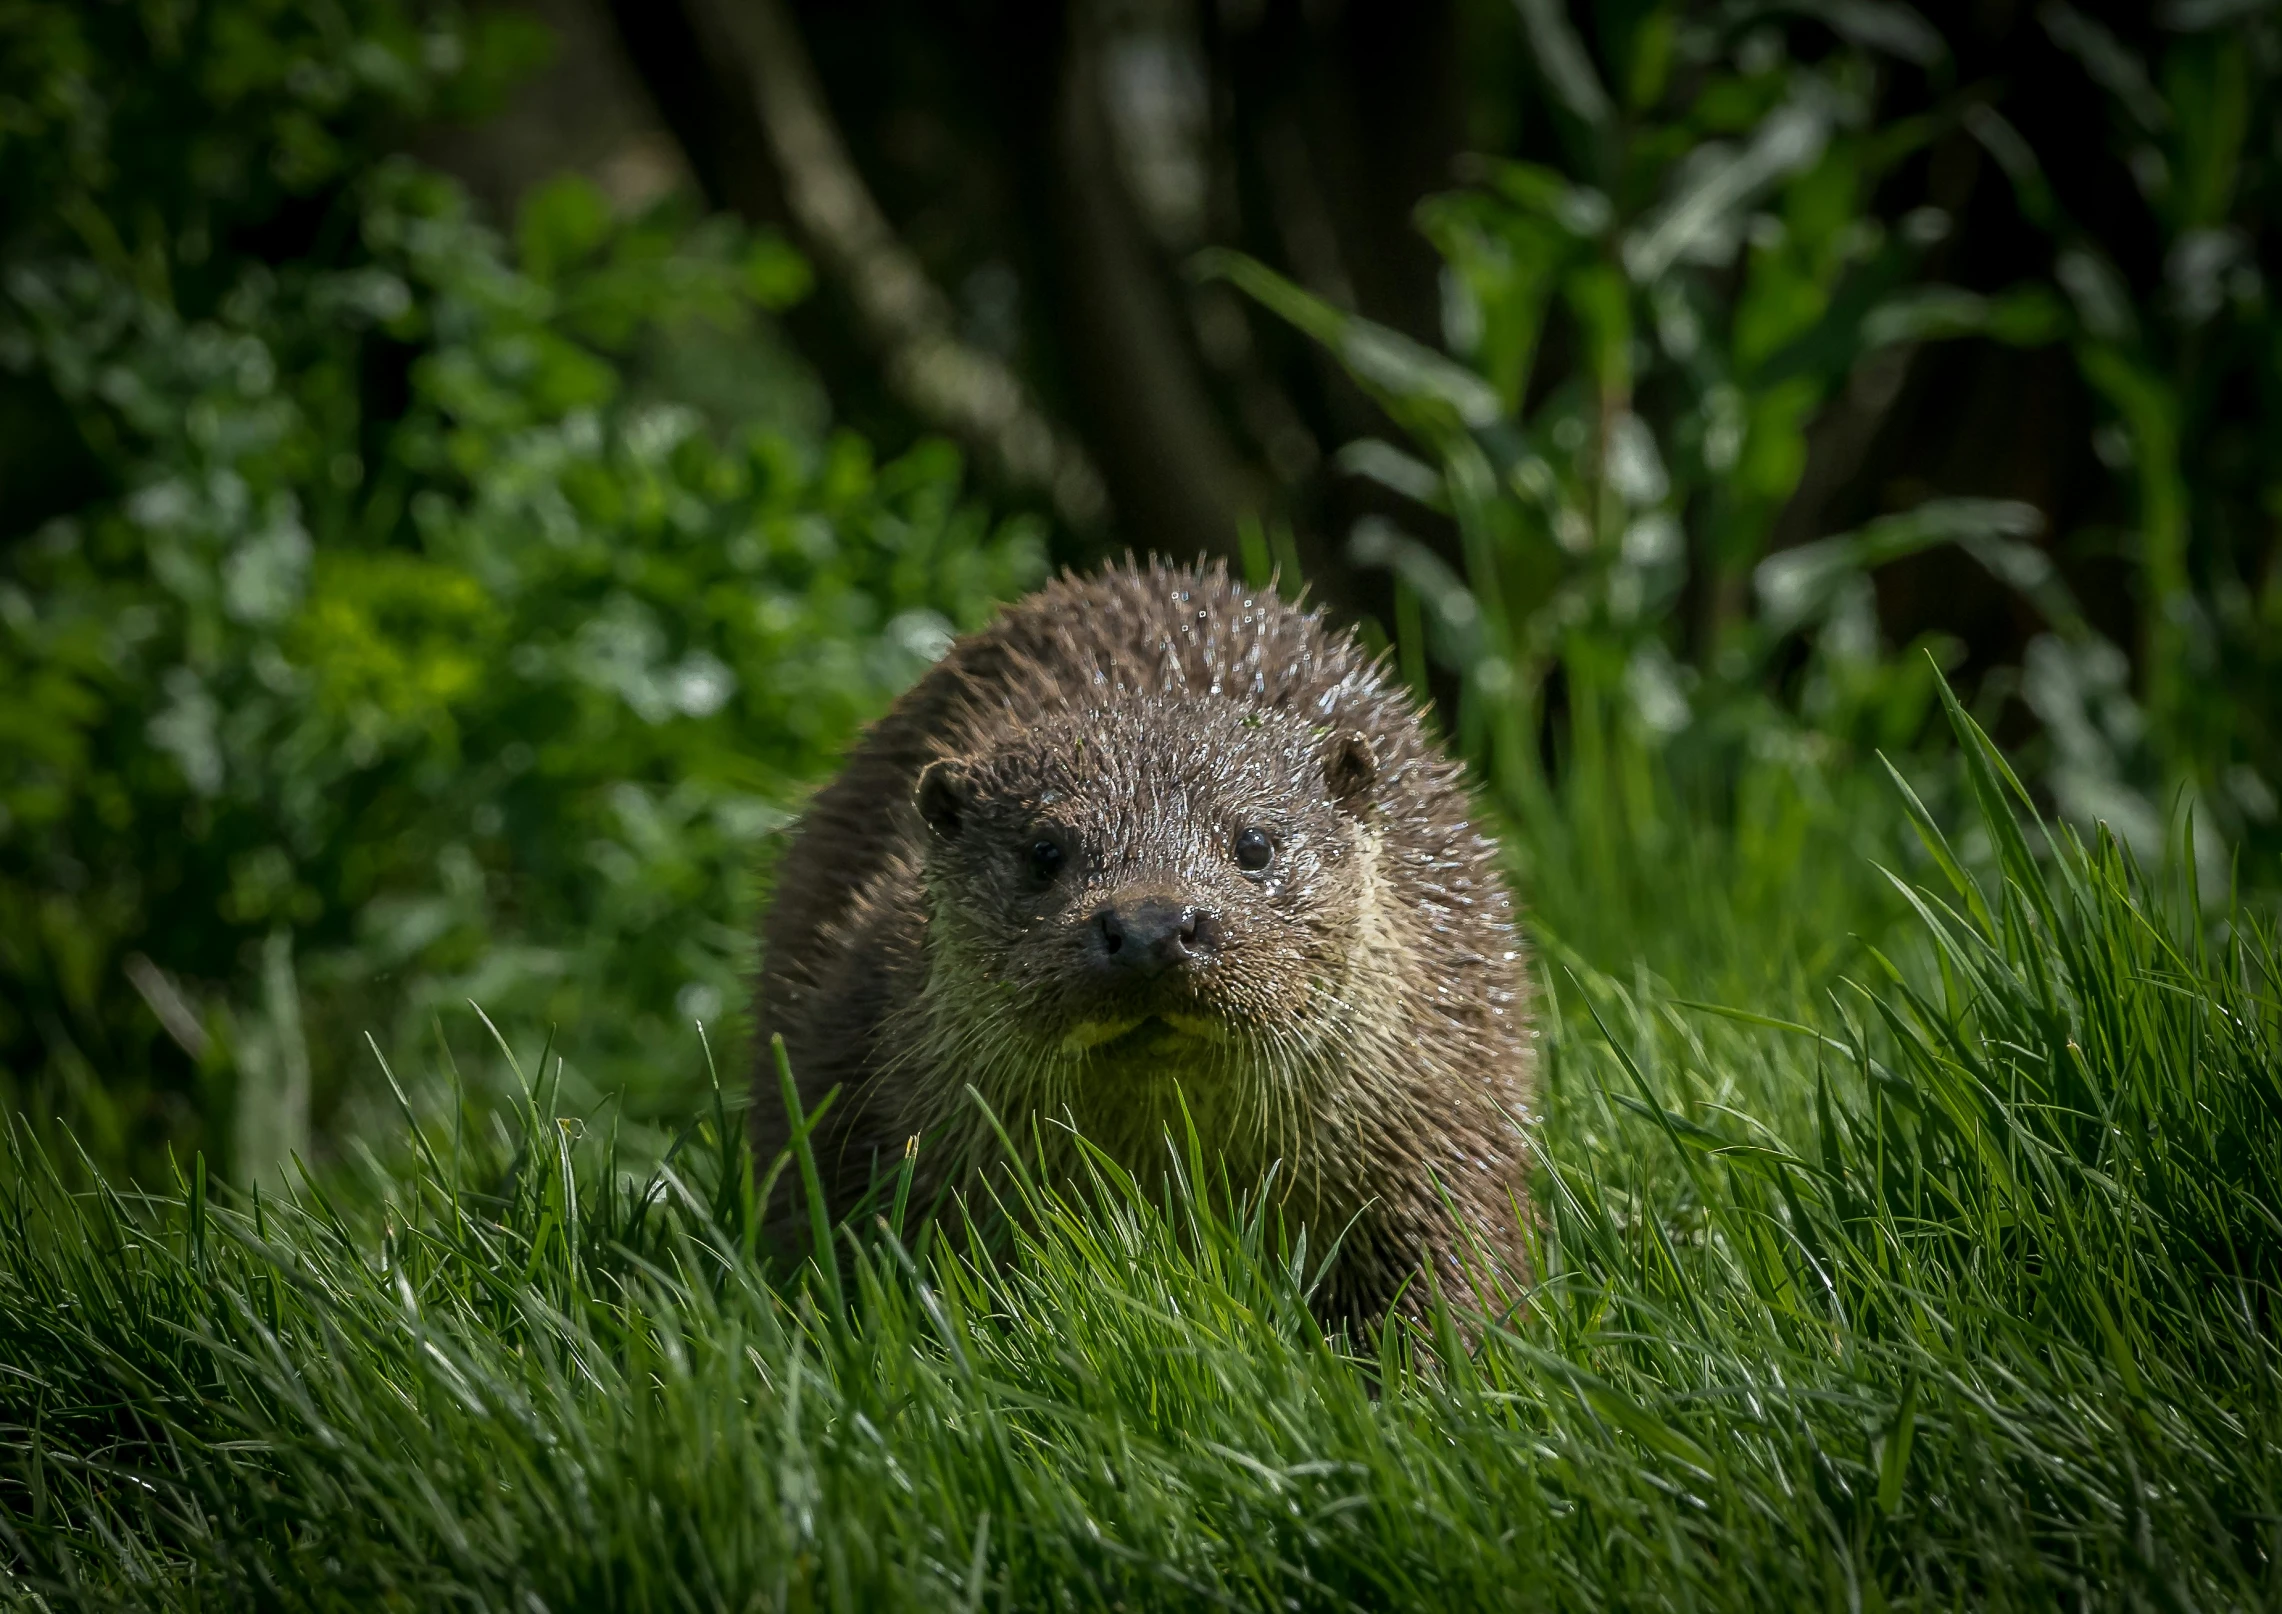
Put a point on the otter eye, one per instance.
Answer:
(1253, 849)
(1045, 860)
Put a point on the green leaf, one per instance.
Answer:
(561, 225)
(1417, 385)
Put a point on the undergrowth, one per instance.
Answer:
(1957, 1287)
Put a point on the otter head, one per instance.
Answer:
(1173, 883)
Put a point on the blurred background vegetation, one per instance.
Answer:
(466, 470)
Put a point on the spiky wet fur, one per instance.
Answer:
(1373, 1041)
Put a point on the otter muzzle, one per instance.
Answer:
(1151, 937)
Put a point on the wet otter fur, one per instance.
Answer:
(1155, 836)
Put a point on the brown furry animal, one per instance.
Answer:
(1154, 837)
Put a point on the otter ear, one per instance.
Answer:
(943, 794)
(1350, 767)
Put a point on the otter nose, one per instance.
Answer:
(1152, 936)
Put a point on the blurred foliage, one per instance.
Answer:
(380, 627)
(1709, 275)
(393, 612)
(2192, 387)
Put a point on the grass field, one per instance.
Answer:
(1937, 1268)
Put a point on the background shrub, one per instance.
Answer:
(440, 617)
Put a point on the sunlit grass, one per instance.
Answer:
(1950, 1281)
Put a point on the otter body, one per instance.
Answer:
(1157, 840)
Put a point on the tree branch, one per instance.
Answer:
(964, 391)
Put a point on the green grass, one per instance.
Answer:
(1965, 1296)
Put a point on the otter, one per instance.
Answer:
(1158, 848)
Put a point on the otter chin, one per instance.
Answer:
(1157, 850)
(1152, 1036)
